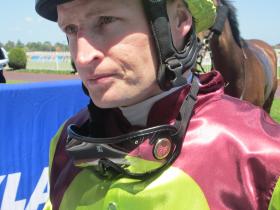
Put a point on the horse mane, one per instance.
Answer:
(232, 18)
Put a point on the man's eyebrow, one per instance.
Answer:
(93, 13)
(98, 11)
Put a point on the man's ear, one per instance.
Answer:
(183, 20)
(180, 22)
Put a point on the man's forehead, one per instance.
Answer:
(89, 7)
(96, 4)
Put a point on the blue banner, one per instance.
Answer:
(30, 115)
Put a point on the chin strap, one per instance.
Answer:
(172, 63)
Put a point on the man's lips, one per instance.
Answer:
(100, 78)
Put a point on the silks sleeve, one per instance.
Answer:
(53, 144)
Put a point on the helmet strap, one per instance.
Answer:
(172, 63)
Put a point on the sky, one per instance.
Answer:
(19, 21)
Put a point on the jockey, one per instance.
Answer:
(155, 135)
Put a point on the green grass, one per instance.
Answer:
(16, 82)
(275, 110)
(66, 65)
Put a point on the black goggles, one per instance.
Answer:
(139, 154)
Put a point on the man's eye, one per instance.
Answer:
(106, 20)
(71, 29)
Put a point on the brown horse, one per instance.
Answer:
(249, 67)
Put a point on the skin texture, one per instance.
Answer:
(113, 50)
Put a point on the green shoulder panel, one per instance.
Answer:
(275, 199)
(172, 190)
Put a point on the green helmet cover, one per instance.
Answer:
(204, 13)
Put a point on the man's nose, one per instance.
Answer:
(87, 52)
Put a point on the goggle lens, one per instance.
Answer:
(148, 151)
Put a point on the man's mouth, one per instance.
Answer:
(100, 79)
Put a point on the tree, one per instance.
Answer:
(19, 44)
(277, 46)
(31, 46)
(47, 46)
(36, 46)
(61, 47)
(9, 45)
(17, 58)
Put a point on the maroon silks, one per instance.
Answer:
(231, 148)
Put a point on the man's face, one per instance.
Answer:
(111, 45)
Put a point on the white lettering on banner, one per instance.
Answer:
(9, 198)
(38, 197)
